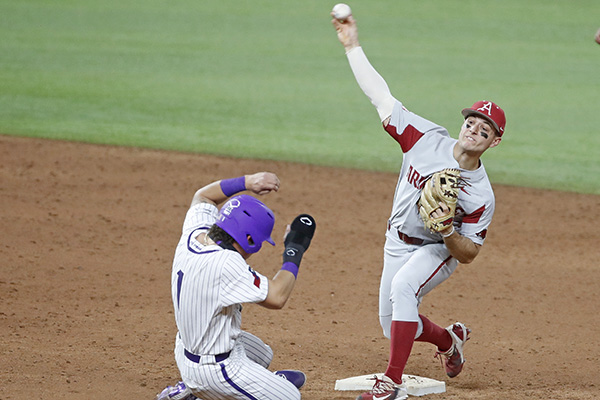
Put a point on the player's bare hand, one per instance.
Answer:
(597, 37)
(262, 183)
(347, 32)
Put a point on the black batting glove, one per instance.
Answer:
(298, 239)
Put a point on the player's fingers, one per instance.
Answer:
(444, 207)
(442, 210)
(287, 231)
(264, 182)
(267, 187)
(339, 24)
(336, 24)
(273, 183)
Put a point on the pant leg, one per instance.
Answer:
(395, 255)
(236, 378)
(410, 272)
(256, 350)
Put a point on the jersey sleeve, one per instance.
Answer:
(241, 284)
(407, 128)
(474, 224)
(200, 216)
(371, 83)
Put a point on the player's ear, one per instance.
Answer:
(496, 141)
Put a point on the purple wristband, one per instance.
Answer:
(290, 266)
(233, 185)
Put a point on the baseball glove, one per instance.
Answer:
(442, 186)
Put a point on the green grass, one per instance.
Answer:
(268, 79)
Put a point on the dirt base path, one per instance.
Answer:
(88, 234)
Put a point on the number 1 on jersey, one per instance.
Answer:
(179, 282)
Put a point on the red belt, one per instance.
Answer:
(407, 239)
(410, 240)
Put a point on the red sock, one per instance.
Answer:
(435, 334)
(403, 336)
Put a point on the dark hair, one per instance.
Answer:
(219, 236)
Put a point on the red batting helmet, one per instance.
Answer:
(490, 111)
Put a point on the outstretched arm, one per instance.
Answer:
(217, 192)
(369, 80)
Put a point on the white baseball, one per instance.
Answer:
(341, 12)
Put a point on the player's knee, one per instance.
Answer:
(258, 351)
(267, 356)
(402, 292)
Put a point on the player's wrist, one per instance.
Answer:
(291, 267)
(229, 187)
(448, 233)
(293, 254)
(351, 47)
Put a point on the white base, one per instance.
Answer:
(415, 385)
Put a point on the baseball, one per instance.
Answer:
(341, 12)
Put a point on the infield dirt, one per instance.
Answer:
(88, 234)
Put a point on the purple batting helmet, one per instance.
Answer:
(248, 221)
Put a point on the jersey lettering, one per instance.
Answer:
(414, 178)
(256, 278)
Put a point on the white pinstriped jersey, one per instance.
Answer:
(208, 286)
(428, 148)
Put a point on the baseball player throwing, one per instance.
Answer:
(211, 280)
(417, 259)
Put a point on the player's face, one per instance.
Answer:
(477, 134)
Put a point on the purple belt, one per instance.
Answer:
(196, 358)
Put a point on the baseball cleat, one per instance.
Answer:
(385, 389)
(177, 392)
(455, 358)
(297, 378)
